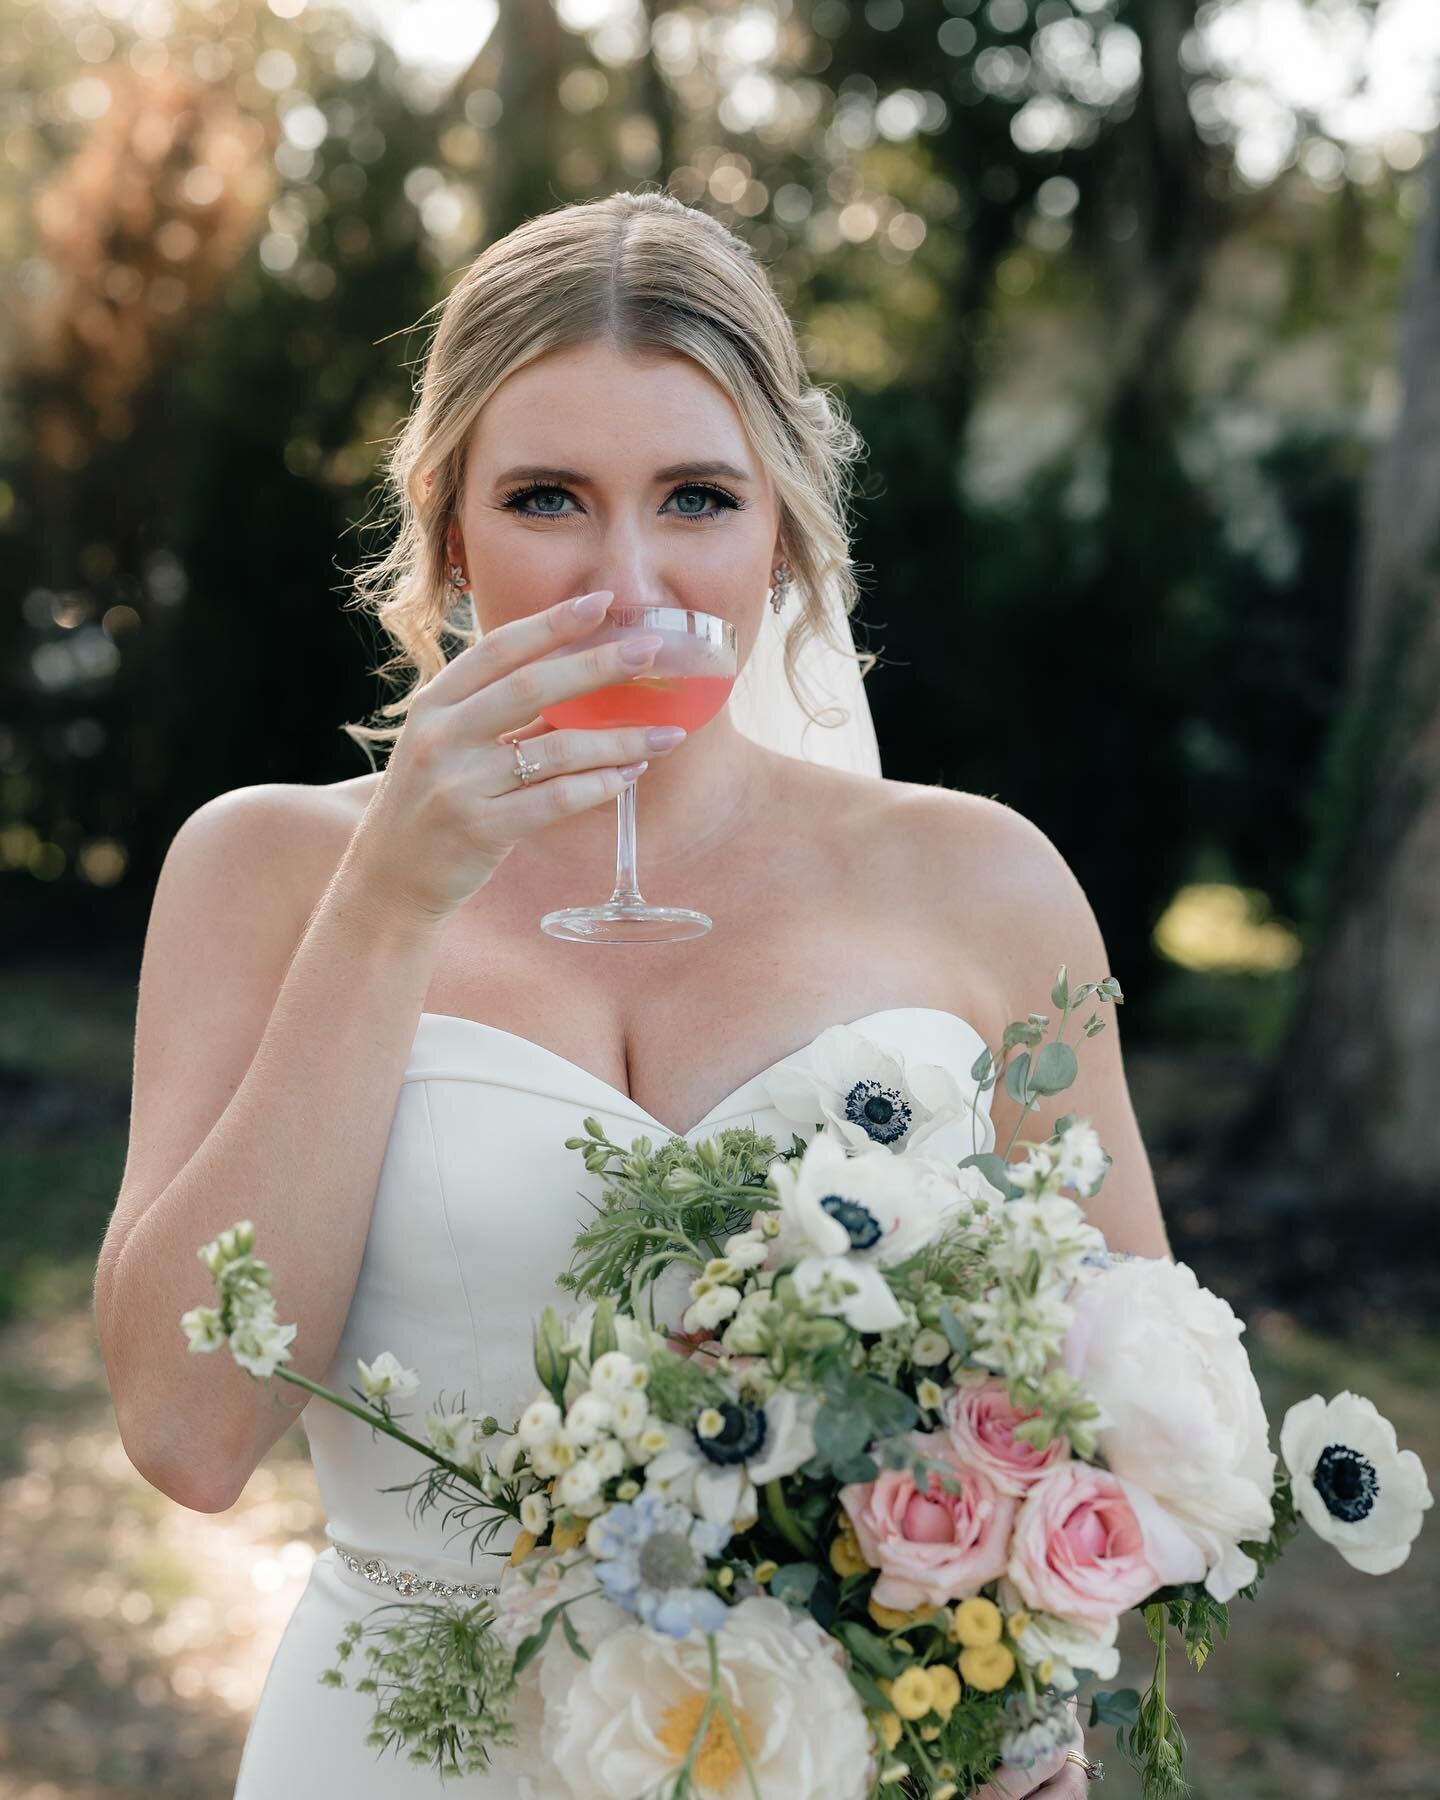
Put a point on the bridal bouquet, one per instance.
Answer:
(841, 1476)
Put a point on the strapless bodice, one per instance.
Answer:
(476, 1208)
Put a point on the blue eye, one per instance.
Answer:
(723, 501)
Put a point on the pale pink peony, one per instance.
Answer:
(1088, 1545)
(930, 1545)
(981, 1421)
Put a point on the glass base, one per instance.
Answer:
(626, 922)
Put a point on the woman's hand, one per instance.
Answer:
(1051, 1779)
(449, 808)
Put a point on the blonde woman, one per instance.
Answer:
(350, 1028)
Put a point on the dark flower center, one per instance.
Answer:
(740, 1436)
(878, 1111)
(1346, 1481)
(861, 1225)
(668, 1560)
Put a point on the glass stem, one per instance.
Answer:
(627, 881)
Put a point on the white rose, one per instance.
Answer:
(1353, 1485)
(1181, 1415)
(387, 1376)
(629, 1715)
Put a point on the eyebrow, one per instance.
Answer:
(674, 472)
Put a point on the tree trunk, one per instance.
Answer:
(1353, 1099)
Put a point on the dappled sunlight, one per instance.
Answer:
(136, 1634)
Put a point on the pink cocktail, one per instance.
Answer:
(687, 684)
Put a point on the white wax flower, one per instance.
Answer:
(387, 1376)
(260, 1345)
(451, 1435)
(202, 1326)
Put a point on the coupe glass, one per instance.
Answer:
(687, 684)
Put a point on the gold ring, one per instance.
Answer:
(1094, 1771)
(524, 768)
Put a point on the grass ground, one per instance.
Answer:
(135, 1635)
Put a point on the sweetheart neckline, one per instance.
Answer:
(659, 1124)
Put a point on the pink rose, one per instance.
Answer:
(981, 1422)
(1088, 1545)
(930, 1545)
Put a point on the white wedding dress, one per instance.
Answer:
(475, 1212)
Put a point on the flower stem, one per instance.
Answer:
(378, 1421)
(785, 1522)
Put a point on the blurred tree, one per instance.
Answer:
(1350, 1104)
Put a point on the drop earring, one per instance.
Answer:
(780, 591)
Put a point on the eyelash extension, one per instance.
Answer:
(729, 502)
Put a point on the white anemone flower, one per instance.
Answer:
(1352, 1485)
(869, 1097)
(845, 1218)
(716, 1474)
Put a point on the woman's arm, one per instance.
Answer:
(1025, 916)
(266, 1076)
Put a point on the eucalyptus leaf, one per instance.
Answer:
(1015, 1078)
(794, 1583)
(1055, 1068)
(1118, 1706)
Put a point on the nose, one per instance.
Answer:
(630, 565)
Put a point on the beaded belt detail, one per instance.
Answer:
(408, 1582)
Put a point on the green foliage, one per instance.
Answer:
(442, 1681)
(675, 1203)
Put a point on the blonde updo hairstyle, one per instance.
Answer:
(650, 275)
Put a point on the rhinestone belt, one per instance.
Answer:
(408, 1582)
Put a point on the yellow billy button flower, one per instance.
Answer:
(1018, 1623)
(888, 1619)
(986, 1666)
(944, 1689)
(845, 1557)
(977, 1623)
(765, 1571)
(929, 1733)
(910, 1694)
(887, 1729)
(525, 1542)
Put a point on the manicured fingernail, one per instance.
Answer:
(632, 770)
(665, 737)
(590, 606)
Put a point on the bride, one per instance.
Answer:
(350, 1028)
